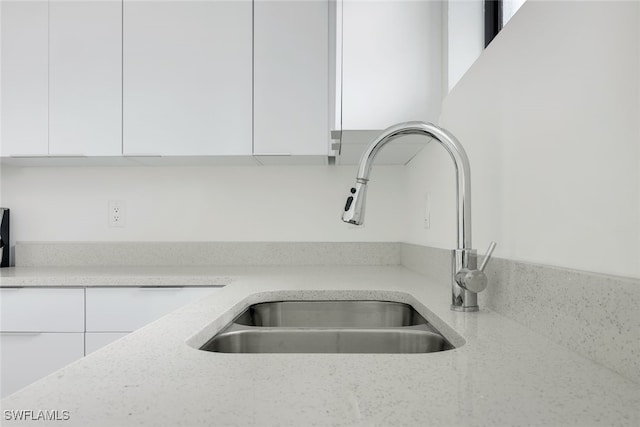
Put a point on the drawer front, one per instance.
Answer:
(127, 309)
(27, 357)
(96, 340)
(41, 310)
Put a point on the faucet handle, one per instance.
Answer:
(487, 256)
(475, 280)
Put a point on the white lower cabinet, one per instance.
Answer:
(41, 310)
(42, 330)
(127, 309)
(27, 357)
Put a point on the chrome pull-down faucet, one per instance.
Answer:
(466, 279)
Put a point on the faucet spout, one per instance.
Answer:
(466, 279)
(449, 143)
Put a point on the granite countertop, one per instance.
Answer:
(500, 373)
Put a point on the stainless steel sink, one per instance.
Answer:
(328, 341)
(328, 327)
(331, 314)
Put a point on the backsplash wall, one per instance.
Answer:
(221, 203)
(550, 119)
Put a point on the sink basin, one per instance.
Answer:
(330, 314)
(328, 341)
(328, 327)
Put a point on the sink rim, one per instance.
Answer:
(215, 325)
(371, 326)
(363, 310)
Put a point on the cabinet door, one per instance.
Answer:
(41, 310)
(291, 77)
(96, 340)
(187, 77)
(26, 358)
(24, 49)
(391, 62)
(85, 77)
(127, 309)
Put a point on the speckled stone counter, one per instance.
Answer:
(117, 276)
(500, 374)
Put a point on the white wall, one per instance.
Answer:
(549, 115)
(222, 203)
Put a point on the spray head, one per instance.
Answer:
(354, 207)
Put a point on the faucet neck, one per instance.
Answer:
(455, 150)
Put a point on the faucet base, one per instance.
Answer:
(462, 299)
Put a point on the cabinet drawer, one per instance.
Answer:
(27, 357)
(96, 340)
(127, 309)
(42, 310)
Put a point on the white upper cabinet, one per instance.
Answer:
(391, 62)
(61, 78)
(187, 74)
(237, 79)
(291, 77)
(24, 75)
(388, 70)
(85, 77)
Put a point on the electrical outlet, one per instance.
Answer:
(427, 211)
(117, 213)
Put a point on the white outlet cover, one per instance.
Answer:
(116, 213)
(427, 211)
